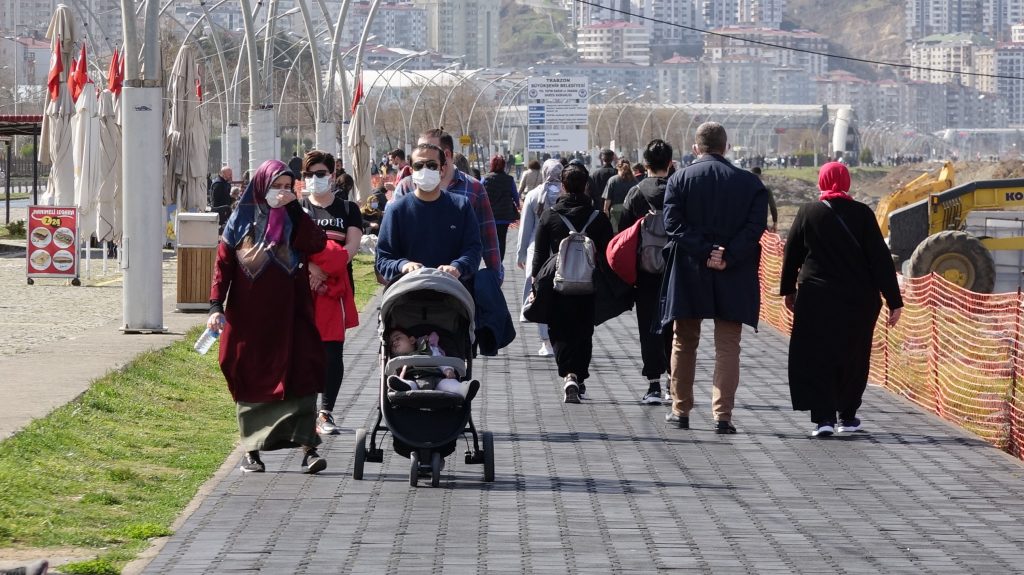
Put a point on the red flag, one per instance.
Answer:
(56, 67)
(81, 78)
(358, 95)
(120, 78)
(112, 71)
(199, 84)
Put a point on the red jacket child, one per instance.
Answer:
(334, 301)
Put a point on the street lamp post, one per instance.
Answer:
(430, 80)
(444, 106)
(469, 121)
(493, 126)
(597, 124)
(622, 109)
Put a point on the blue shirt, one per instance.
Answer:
(442, 232)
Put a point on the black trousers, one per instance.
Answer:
(571, 330)
(830, 351)
(333, 351)
(655, 348)
(502, 233)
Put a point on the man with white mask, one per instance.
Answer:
(343, 222)
(458, 183)
(428, 228)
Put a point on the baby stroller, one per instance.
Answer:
(426, 424)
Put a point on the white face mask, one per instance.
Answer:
(274, 198)
(426, 179)
(318, 186)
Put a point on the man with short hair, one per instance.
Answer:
(220, 195)
(715, 215)
(397, 160)
(599, 177)
(427, 227)
(455, 182)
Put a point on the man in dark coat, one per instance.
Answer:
(715, 215)
(599, 178)
(220, 195)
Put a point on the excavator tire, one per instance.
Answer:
(957, 256)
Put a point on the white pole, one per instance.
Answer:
(233, 150)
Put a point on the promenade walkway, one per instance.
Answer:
(606, 487)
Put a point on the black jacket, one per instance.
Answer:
(551, 230)
(501, 191)
(648, 195)
(598, 182)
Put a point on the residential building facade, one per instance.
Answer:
(614, 41)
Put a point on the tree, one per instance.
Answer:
(867, 157)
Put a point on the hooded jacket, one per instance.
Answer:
(576, 208)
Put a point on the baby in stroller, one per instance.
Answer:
(441, 378)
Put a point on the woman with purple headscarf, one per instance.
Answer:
(270, 350)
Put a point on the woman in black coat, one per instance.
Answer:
(837, 257)
(504, 197)
(571, 321)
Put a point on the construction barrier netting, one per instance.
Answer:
(954, 352)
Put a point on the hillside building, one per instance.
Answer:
(614, 41)
(464, 27)
(795, 48)
(945, 55)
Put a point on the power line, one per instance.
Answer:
(802, 50)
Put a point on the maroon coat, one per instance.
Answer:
(270, 348)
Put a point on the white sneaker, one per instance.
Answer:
(652, 398)
(545, 349)
(823, 430)
(325, 424)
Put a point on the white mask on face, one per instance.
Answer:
(274, 198)
(318, 186)
(426, 179)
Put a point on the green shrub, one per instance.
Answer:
(16, 229)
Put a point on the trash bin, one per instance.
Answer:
(197, 235)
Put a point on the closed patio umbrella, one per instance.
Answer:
(108, 210)
(360, 140)
(86, 155)
(55, 140)
(187, 144)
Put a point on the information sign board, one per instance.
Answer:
(557, 114)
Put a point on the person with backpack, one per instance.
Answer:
(535, 203)
(577, 235)
(646, 201)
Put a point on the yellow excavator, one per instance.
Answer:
(929, 233)
(913, 191)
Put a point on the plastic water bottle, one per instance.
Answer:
(205, 341)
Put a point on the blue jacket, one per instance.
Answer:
(494, 327)
(442, 232)
(709, 203)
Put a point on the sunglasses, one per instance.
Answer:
(430, 165)
(318, 174)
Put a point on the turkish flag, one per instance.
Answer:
(79, 78)
(358, 95)
(56, 67)
(120, 78)
(112, 71)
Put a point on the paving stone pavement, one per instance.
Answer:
(606, 487)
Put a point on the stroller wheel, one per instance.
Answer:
(360, 454)
(488, 456)
(435, 469)
(414, 469)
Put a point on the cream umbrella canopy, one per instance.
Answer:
(360, 140)
(55, 139)
(108, 210)
(187, 144)
(86, 156)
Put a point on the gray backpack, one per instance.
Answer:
(652, 241)
(576, 261)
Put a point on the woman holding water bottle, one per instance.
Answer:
(270, 351)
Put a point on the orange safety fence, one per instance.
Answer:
(954, 352)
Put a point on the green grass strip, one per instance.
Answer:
(114, 468)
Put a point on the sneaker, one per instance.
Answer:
(252, 463)
(313, 463)
(724, 428)
(396, 383)
(652, 397)
(668, 395)
(325, 424)
(583, 391)
(680, 421)
(849, 425)
(823, 429)
(572, 390)
(545, 349)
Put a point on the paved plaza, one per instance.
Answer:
(606, 487)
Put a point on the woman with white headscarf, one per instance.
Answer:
(537, 200)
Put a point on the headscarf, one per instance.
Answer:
(551, 171)
(261, 234)
(834, 182)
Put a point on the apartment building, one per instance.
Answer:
(679, 81)
(399, 25)
(463, 27)
(944, 55)
(929, 17)
(760, 13)
(614, 41)
(667, 17)
(1005, 59)
(781, 54)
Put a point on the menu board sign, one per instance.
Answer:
(52, 242)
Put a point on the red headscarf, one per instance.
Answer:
(834, 182)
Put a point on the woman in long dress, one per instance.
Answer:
(835, 264)
(270, 350)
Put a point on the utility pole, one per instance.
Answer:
(141, 161)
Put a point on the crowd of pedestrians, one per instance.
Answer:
(682, 245)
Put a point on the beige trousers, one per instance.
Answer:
(727, 366)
